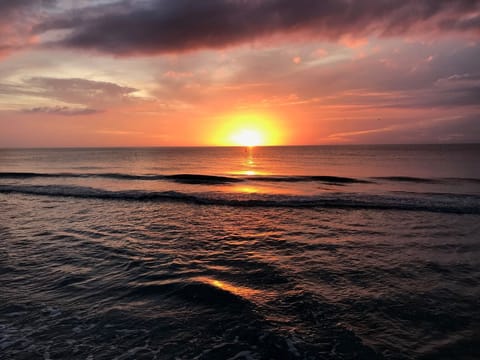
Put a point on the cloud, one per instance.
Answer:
(62, 110)
(461, 129)
(7, 7)
(66, 96)
(18, 17)
(132, 27)
(446, 98)
(80, 91)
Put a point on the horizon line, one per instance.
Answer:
(223, 146)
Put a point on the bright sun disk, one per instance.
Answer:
(248, 137)
(248, 129)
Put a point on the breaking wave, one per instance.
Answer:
(216, 179)
(182, 178)
(431, 202)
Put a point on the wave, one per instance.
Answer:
(407, 179)
(181, 178)
(217, 179)
(201, 179)
(194, 291)
(188, 178)
(470, 180)
(320, 178)
(27, 175)
(431, 202)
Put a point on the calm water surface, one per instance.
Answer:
(348, 252)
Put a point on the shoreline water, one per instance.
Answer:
(145, 265)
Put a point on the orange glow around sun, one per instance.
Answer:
(247, 129)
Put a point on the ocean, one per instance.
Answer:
(313, 252)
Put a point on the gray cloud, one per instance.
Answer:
(158, 26)
(74, 96)
(62, 110)
(9, 6)
(80, 91)
(453, 129)
(417, 75)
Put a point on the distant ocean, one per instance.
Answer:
(315, 252)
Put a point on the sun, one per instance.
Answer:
(247, 129)
(248, 137)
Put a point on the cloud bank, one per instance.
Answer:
(132, 27)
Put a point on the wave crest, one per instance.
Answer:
(443, 203)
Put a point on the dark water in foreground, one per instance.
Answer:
(274, 253)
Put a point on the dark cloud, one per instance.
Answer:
(8, 6)
(62, 110)
(159, 26)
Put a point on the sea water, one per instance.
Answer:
(326, 252)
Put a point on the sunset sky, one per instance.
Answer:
(188, 72)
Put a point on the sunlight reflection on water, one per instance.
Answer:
(241, 291)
